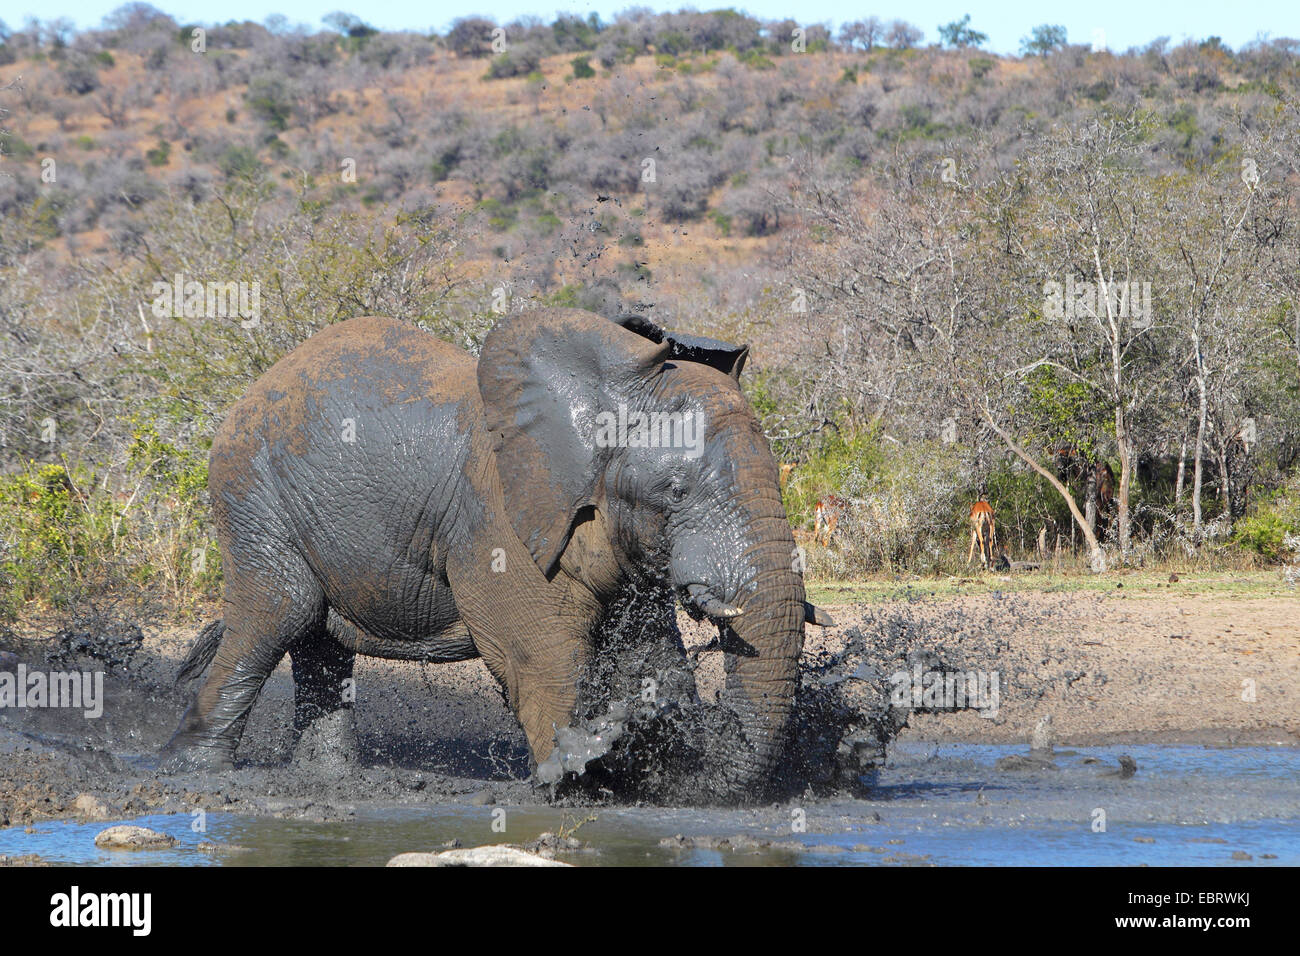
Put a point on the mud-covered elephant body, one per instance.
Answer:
(379, 492)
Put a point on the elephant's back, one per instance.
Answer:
(369, 363)
(373, 354)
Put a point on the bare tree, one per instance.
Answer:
(862, 34)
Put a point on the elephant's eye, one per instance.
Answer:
(678, 492)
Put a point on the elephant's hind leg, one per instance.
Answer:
(267, 611)
(323, 696)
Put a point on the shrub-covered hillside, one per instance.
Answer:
(1065, 281)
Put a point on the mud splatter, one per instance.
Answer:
(675, 749)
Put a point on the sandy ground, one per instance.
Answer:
(1136, 669)
(1107, 668)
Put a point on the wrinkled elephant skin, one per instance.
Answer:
(379, 492)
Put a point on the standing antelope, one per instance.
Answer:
(981, 518)
(826, 515)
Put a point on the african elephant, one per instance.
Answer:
(378, 492)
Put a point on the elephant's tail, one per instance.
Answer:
(201, 654)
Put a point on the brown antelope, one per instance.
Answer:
(981, 520)
(826, 515)
(787, 468)
(1073, 465)
(1105, 486)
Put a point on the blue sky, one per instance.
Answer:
(1123, 23)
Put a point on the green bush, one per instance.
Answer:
(13, 145)
(51, 530)
(1273, 521)
(520, 61)
(160, 155)
(904, 506)
(268, 99)
(830, 470)
(73, 533)
(1264, 534)
(240, 163)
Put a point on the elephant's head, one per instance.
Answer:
(652, 431)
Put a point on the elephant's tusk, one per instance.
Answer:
(710, 605)
(812, 614)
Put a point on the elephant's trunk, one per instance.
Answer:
(762, 654)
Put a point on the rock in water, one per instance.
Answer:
(209, 847)
(1025, 762)
(475, 856)
(133, 838)
(1127, 768)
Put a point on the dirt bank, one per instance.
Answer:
(1119, 668)
(1106, 668)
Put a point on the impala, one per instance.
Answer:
(826, 516)
(981, 522)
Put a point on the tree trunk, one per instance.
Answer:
(1117, 385)
(1097, 557)
(1090, 495)
(1182, 472)
(1125, 475)
(1198, 464)
(1225, 502)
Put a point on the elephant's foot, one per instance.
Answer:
(187, 755)
(328, 744)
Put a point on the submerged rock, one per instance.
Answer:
(743, 843)
(1025, 762)
(217, 848)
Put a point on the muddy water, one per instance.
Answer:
(931, 804)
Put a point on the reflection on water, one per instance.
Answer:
(944, 805)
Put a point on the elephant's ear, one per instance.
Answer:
(723, 356)
(544, 376)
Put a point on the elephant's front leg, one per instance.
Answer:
(323, 698)
(532, 636)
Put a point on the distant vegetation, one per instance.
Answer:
(912, 238)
